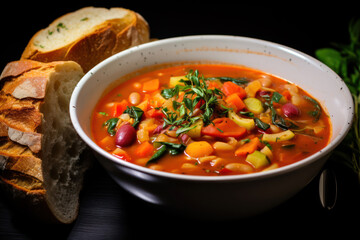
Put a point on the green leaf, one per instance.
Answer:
(184, 129)
(276, 97)
(188, 103)
(238, 81)
(135, 113)
(167, 93)
(260, 124)
(172, 148)
(331, 57)
(316, 113)
(111, 124)
(158, 154)
(354, 30)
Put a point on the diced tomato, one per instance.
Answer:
(154, 113)
(224, 127)
(200, 103)
(225, 171)
(118, 108)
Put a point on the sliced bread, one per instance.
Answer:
(88, 36)
(40, 162)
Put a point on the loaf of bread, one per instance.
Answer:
(40, 164)
(88, 36)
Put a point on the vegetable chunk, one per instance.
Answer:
(257, 159)
(278, 137)
(199, 149)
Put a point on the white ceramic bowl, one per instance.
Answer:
(217, 197)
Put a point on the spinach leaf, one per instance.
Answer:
(158, 154)
(111, 124)
(171, 148)
(178, 148)
(316, 113)
(331, 57)
(260, 124)
(135, 113)
(238, 81)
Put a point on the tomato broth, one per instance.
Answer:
(210, 119)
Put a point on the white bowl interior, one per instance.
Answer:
(284, 62)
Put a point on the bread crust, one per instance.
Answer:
(21, 173)
(106, 39)
(16, 68)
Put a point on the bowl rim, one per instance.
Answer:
(239, 177)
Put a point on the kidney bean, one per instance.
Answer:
(263, 93)
(184, 138)
(290, 110)
(158, 129)
(125, 135)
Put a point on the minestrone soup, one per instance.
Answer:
(210, 119)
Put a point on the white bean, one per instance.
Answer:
(265, 81)
(239, 167)
(221, 146)
(134, 98)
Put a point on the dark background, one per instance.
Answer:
(107, 211)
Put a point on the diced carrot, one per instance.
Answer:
(118, 152)
(235, 102)
(151, 85)
(249, 147)
(229, 88)
(145, 149)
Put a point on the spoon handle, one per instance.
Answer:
(328, 189)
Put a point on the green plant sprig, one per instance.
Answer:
(344, 59)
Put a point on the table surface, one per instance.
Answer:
(109, 212)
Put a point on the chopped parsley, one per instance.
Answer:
(195, 92)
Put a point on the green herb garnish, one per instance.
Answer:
(195, 90)
(344, 59)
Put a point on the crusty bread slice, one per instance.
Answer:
(88, 36)
(39, 148)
